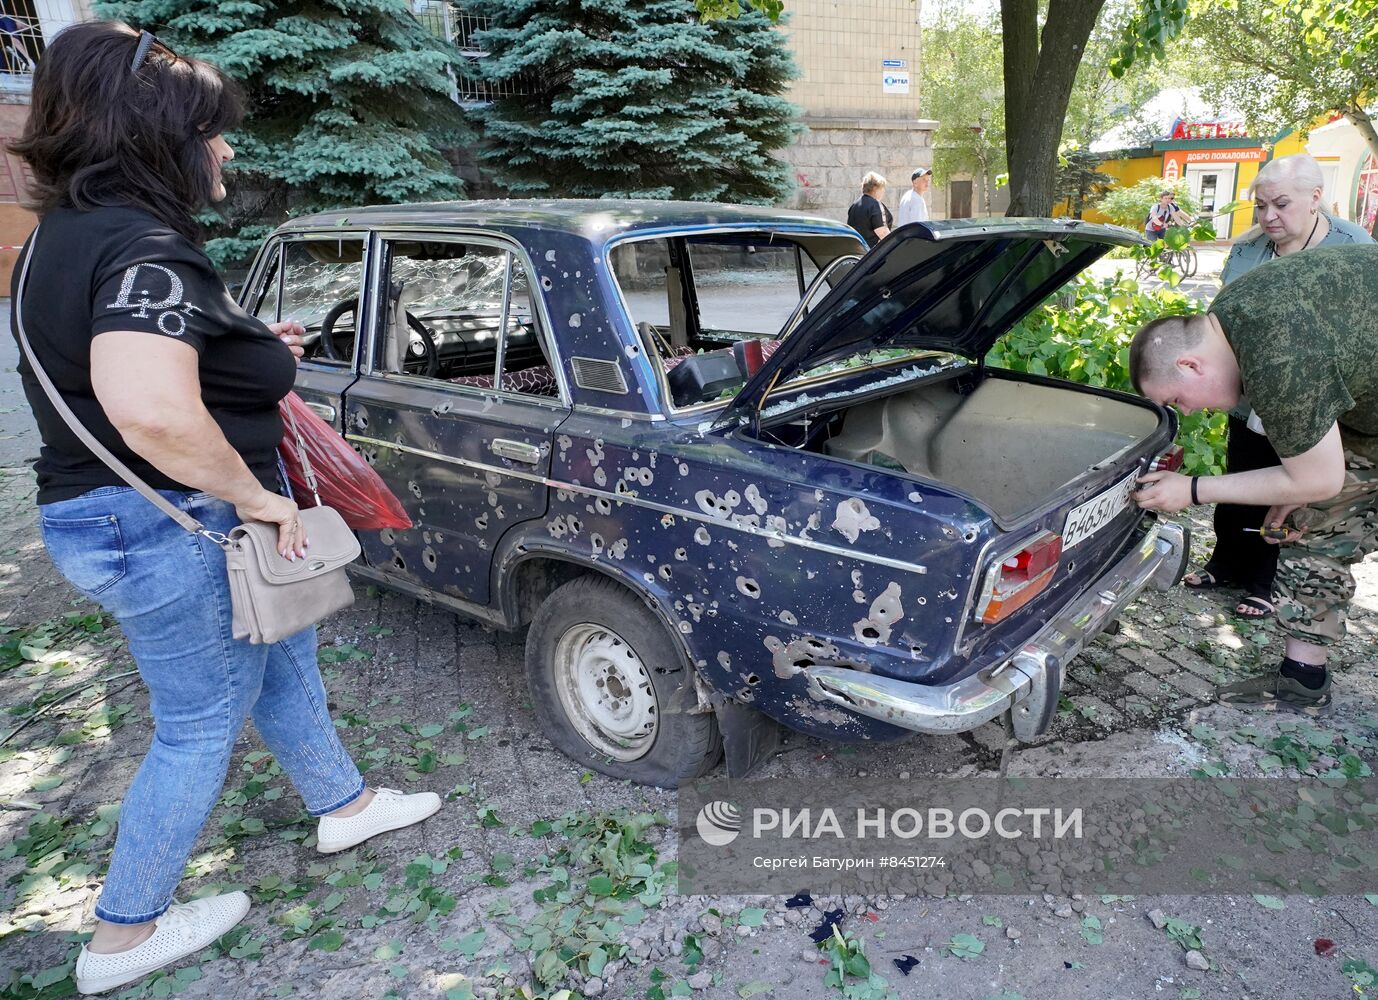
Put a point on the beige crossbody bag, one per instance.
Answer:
(271, 597)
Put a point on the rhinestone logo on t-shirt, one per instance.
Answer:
(171, 308)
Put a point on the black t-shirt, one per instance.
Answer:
(122, 269)
(867, 214)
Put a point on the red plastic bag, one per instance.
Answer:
(343, 479)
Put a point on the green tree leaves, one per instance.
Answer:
(1285, 63)
(1148, 33)
(714, 10)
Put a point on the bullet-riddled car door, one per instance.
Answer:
(468, 454)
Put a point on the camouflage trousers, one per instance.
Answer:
(1314, 584)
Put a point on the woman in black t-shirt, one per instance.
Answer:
(137, 331)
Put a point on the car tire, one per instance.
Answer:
(606, 678)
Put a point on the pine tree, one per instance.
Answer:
(348, 103)
(634, 98)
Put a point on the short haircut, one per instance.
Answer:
(1156, 347)
(1298, 172)
(872, 181)
(100, 133)
(1170, 194)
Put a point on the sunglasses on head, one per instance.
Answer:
(146, 42)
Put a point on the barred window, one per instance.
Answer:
(451, 20)
(21, 44)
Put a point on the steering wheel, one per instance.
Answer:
(327, 342)
(430, 355)
(429, 361)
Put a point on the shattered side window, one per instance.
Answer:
(462, 312)
(744, 289)
(443, 316)
(320, 290)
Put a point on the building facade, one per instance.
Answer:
(1218, 160)
(858, 92)
(1348, 165)
(1220, 163)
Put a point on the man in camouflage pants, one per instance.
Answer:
(1314, 582)
(1299, 337)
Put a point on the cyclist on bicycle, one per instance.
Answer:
(1166, 213)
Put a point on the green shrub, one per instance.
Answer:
(1128, 206)
(1082, 334)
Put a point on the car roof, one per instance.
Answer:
(595, 219)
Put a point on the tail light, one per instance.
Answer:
(1168, 461)
(1016, 581)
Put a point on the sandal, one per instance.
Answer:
(1254, 608)
(1205, 580)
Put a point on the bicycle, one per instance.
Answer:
(1183, 261)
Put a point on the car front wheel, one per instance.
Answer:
(606, 680)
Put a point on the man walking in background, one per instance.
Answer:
(914, 205)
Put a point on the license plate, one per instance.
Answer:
(1096, 513)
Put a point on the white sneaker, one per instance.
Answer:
(183, 930)
(389, 810)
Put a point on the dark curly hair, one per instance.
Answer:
(101, 134)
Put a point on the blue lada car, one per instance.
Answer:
(728, 469)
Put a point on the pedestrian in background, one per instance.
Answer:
(1166, 212)
(868, 214)
(1287, 203)
(914, 206)
(128, 317)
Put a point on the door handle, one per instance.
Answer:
(517, 451)
(323, 410)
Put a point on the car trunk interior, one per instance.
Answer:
(1010, 444)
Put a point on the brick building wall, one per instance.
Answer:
(858, 90)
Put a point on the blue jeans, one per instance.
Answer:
(168, 590)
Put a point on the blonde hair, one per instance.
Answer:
(1299, 172)
(872, 181)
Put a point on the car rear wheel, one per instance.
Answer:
(606, 682)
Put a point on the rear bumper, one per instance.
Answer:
(1030, 681)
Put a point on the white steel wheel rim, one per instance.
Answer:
(606, 691)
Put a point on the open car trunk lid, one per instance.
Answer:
(955, 286)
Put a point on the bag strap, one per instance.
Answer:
(306, 469)
(87, 438)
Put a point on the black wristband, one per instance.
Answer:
(1194, 498)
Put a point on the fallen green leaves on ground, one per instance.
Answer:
(849, 970)
(1186, 934)
(599, 875)
(966, 946)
